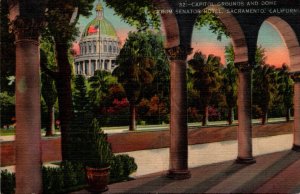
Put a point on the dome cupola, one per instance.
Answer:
(99, 25)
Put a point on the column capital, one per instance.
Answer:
(295, 76)
(26, 28)
(178, 52)
(244, 66)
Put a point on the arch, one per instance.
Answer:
(290, 39)
(170, 24)
(235, 31)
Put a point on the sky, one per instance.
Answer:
(205, 41)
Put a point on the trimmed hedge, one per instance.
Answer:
(70, 176)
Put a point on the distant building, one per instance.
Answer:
(91, 50)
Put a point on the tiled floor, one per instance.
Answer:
(272, 173)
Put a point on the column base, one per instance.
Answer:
(179, 174)
(296, 148)
(245, 160)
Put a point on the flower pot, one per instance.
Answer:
(97, 179)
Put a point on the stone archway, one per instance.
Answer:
(244, 134)
(234, 29)
(169, 23)
(292, 43)
(290, 39)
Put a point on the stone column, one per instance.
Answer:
(244, 133)
(28, 115)
(178, 125)
(296, 144)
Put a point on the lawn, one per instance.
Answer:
(6, 132)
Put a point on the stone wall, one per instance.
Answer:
(133, 141)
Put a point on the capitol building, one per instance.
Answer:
(99, 46)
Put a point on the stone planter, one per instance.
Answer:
(97, 179)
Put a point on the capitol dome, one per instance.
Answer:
(99, 46)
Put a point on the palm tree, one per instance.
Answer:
(285, 90)
(136, 61)
(229, 86)
(265, 87)
(206, 79)
(99, 87)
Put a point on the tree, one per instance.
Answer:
(141, 14)
(265, 84)
(7, 107)
(213, 22)
(160, 86)
(285, 90)
(206, 79)
(62, 17)
(229, 86)
(136, 61)
(8, 53)
(99, 87)
(49, 94)
(81, 101)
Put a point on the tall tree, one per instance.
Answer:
(48, 89)
(229, 85)
(206, 79)
(264, 84)
(136, 61)
(81, 101)
(160, 86)
(285, 90)
(62, 17)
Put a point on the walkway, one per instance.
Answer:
(273, 173)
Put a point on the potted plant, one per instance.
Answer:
(98, 159)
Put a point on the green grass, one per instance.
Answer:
(7, 132)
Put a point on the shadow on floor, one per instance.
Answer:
(216, 179)
(151, 185)
(281, 164)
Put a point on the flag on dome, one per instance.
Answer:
(93, 29)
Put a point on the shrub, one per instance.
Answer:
(53, 180)
(8, 182)
(121, 167)
(62, 178)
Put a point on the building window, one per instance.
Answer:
(95, 47)
(86, 67)
(90, 48)
(105, 48)
(98, 65)
(81, 68)
(93, 67)
(105, 65)
(115, 49)
(110, 49)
